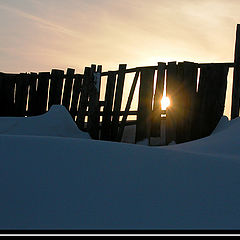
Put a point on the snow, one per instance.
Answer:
(53, 177)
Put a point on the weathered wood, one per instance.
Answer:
(84, 99)
(42, 92)
(200, 120)
(236, 78)
(77, 85)
(221, 90)
(7, 84)
(127, 108)
(32, 99)
(213, 98)
(118, 101)
(68, 88)
(156, 114)
(2, 103)
(56, 85)
(189, 96)
(143, 127)
(22, 83)
(173, 86)
(94, 106)
(106, 122)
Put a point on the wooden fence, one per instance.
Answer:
(194, 112)
(197, 93)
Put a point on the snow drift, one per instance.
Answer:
(52, 182)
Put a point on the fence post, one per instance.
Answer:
(94, 107)
(68, 88)
(82, 110)
(236, 77)
(42, 91)
(22, 83)
(215, 77)
(118, 101)
(156, 118)
(56, 85)
(7, 83)
(77, 85)
(189, 95)
(173, 84)
(107, 112)
(32, 99)
(143, 126)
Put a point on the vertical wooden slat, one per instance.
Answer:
(213, 97)
(221, 92)
(127, 108)
(32, 100)
(82, 111)
(189, 93)
(77, 85)
(68, 88)
(118, 101)
(22, 84)
(201, 95)
(173, 85)
(7, 94)
(94, 107)
(42, 92)
(107, 112)
(56, 85)
(143, 126)
(156, 115)
(236, 78)
(2, 104)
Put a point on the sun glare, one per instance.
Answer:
(165, 103)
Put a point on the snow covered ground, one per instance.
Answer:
(52, 176)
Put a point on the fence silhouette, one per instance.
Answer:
(197, 93)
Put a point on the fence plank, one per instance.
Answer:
(22, 83)
(236, 78)
(7, 83)
(127, 108)
(2, 103)
(201, 95)
(77, 85)
(106, 123)
(173, 85)
(156, 115)
(221, 91)
(84, 99)
(32, 99)
(56, 85)
(143, 127)
(189, 96)
(118, 101)
(214, 96)
(68, 88)
(94, 106)
(42, 92)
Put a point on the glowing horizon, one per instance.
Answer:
(38, 35)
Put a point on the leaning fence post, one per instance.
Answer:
(236, 77)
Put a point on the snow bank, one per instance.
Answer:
(57, 122)
(73, 183)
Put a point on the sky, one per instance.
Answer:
(38, 35)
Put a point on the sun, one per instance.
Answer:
(165, 102)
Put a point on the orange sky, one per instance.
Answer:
(38, 35)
